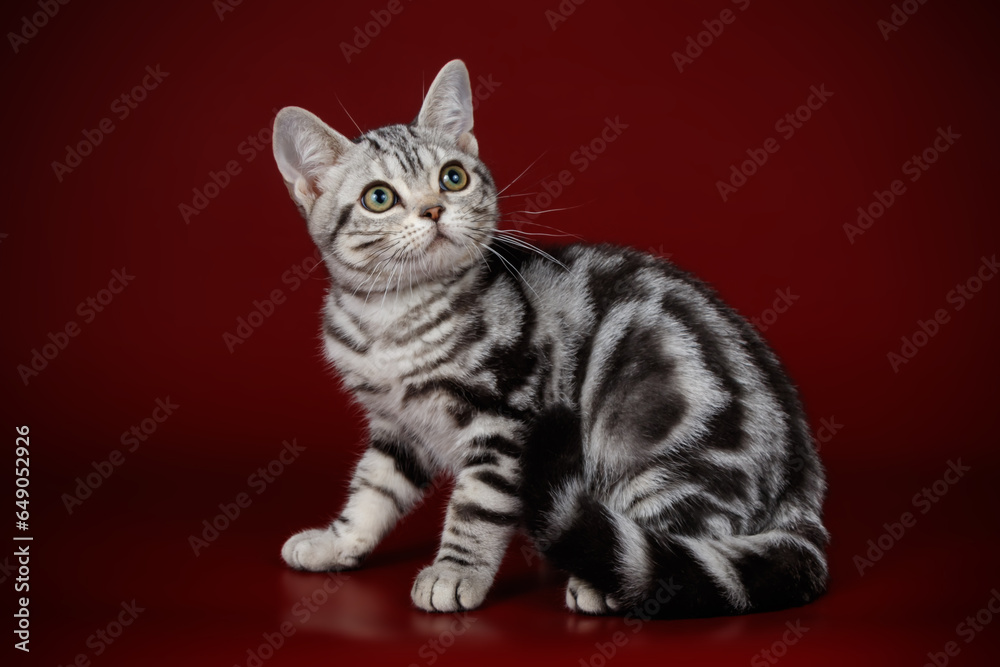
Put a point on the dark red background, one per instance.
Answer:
(654, 188)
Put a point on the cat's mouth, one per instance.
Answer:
(439, 239)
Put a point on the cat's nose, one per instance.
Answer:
(432, 212)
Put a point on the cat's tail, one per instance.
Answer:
(618, 565)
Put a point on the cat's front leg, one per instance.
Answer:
(483, 512)
(387, 483)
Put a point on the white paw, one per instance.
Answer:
(443, 587)
(319, 550)
(583, 598)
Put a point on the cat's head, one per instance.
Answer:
(402, 198)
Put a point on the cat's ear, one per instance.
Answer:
(448, 106)
(304, 148)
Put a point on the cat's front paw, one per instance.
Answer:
(444, 587)
(318, 550)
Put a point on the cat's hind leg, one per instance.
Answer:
(583, 598)
(617, 565)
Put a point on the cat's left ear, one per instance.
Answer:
(448, 106)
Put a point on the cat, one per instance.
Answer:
(599, 399)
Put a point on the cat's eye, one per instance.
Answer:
(454, 178)
(379, 198)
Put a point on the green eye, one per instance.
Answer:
(378, 198)
(454, 178)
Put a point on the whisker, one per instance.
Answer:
(538, 224)
(512, 267)
(550, 210)
(527, 246)
(519, 243)
(372, 275)
(360, 131)
(518, 231)
(365, 305)
(522, 173)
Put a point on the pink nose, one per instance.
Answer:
(432, 212)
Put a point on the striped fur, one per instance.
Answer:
(601, 400)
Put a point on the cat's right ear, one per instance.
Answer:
(304, 148)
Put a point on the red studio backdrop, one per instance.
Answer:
(830, 167)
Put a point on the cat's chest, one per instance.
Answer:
(432, 415)
(411, 386)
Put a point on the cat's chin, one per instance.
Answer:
(440, 239)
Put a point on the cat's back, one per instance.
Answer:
(654, 362)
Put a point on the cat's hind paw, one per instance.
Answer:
(583, 598)
(441, 587)
(319, 550)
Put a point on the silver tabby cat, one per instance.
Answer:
(599, 399)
